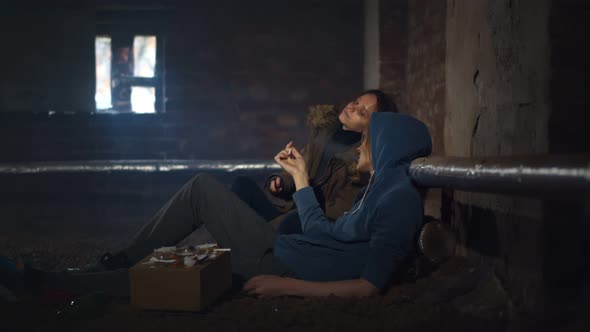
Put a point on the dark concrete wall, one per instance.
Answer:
(496, 78)
(507, 67)
(498, 104)
(239, 75)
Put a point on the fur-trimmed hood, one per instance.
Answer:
(323, 117)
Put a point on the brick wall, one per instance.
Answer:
(413, 46)
(47, 59)
(413, 67)
(425, 66)
(393, 49)
(239, 79)
(425, 76)
(39, 137)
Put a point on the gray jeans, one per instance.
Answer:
(232, 223)
(201, 201)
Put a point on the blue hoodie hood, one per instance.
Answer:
(380, 231)
(396, 140)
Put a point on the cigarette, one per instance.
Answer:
(291, 156)
(221, 249)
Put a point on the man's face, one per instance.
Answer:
(355, 116)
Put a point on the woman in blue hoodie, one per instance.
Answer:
(357, 254)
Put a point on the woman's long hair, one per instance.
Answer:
(365, 141)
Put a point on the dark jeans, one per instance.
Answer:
(248, 191)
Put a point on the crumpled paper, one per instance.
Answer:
(158, 260)
(189, 260)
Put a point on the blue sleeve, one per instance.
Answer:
(310, 212)
(392, 239)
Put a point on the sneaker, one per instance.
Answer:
(115, 262)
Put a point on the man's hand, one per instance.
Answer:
(269, 285)
(275, 185)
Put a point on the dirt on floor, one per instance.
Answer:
(457, 296)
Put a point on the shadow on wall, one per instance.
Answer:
(532, 258)
(479, 229)
(507, 243)
(566, 265)
(570, 77)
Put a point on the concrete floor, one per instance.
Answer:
(449, 298)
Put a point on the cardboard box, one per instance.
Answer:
(176, 287)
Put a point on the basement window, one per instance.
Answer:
(102, 46)
(126, 74)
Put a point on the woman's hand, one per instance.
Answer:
(269, 286)
(291, 160)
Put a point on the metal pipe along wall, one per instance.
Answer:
(527, 175)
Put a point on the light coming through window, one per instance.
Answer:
(102, 97)
(125, 82)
